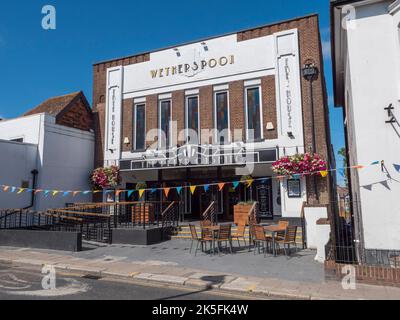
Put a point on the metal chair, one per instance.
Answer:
(288, 239)
(261, 238)
(201, 241)
(240, 234)
(225, 235)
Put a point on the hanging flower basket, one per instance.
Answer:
(304, 164)
(105, 178)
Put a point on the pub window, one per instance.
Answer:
(253, 114)
(192, 120)
(165, 125)
(221, 116)
(139, 121)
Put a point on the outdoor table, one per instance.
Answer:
(274, 229)
(214, 230)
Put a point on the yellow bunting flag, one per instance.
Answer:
(324, 174)
(20, 190)
(193, 189)
(55, 192)
(250, 183)
(166, 191)
(141, 192)
(221, 186)
(96, 191)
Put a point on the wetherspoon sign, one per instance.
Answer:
(193, 67)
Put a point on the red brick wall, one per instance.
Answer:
(236, 106)
(206, 112)
(77, 116)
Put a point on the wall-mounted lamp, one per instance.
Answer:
(205, 47)
(290, 135)
(127, 142)
(178, 54)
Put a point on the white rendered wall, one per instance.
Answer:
(374, 56)
(17, 160)
(64, 159)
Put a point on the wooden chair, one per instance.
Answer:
(240, 234)
(284, 225)
(261, 238)
(205, 223)
(225, 235)
(288, 239)
(201, 241)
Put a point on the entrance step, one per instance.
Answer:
(183, 232)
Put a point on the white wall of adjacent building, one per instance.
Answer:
(64, 159)
(372, 83)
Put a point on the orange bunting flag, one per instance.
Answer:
(119, 192)
(6, 188)
(193, 189)
(358, 167)
(75, 193)
(221, 186)
(324, 174)
(166, 191)
(280, 178)
(141, 192)
(37, 191)
(249, 183)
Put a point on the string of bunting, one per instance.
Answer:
(167, 190)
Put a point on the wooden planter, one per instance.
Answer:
(143, 214)
(241, 214)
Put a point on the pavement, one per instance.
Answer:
(171, 264)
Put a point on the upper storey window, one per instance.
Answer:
(192, 120)
(139, 120)
(253, 114)
(165, 124)
(221, 116)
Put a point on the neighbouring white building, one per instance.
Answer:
(56, 140)
(366, 49)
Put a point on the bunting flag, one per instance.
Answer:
(166, 191)
(324, 174)
(193, 189)
(397, 167)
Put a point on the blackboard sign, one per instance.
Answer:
(264, 196)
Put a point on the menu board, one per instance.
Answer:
(264, 199)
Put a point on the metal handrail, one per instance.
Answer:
(209, 214)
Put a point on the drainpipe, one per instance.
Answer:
(34, 175)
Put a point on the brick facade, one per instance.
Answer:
(77, 115)
(310, 49)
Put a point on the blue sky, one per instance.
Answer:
(37, 64)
